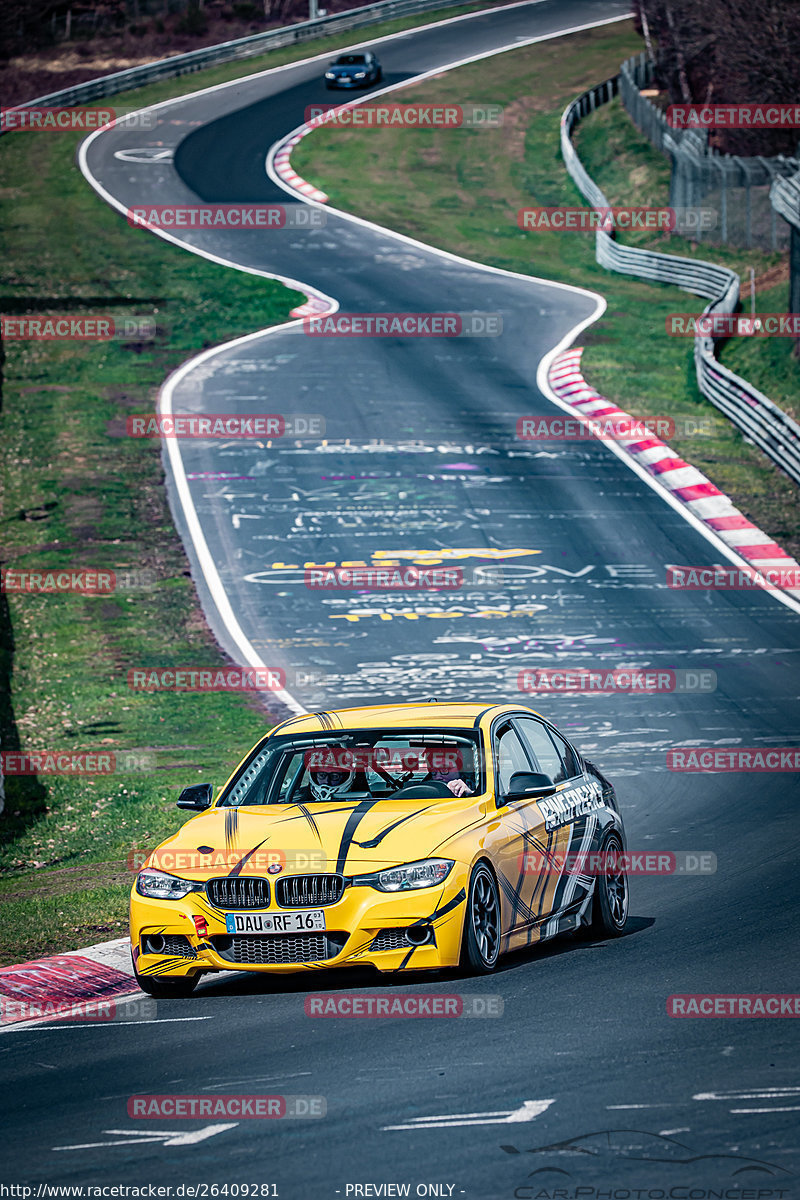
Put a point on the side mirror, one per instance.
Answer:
(529, 785)
(197, 797)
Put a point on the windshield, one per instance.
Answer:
(371, 764)
(350, 60)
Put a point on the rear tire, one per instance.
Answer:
(610, 901)
(480, 945)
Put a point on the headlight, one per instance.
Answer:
(428, 873)
(329, 75)
(158, 885)
(361, 74)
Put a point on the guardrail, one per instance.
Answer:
(771, 429)
(247, 47)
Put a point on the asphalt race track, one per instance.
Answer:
(420, 456)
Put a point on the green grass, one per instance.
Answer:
(461, 190)
(77, 492)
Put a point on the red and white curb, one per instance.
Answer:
(314, 306)
(78, 986)
(685, 482)
(284, 168)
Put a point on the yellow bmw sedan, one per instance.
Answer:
(412, 836)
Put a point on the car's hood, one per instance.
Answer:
(352, 836)
(347, 70)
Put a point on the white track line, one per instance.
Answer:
(97, 1024)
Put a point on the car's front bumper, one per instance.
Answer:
(365, 927)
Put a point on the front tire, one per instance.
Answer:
(480, 948)
(610, 903)
(161, 988)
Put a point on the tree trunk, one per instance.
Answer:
(683, 79)
(646, 30)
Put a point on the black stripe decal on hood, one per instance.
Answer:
(376, 841)
(353, 821)
(231, 827)
(238, 868)
(303, 815)
(310, 820)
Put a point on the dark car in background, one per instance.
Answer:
(354, 70)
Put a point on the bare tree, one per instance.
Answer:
(737, 51)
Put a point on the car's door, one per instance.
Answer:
(570, 816)
(517, 833)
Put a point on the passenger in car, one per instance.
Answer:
(450, 776)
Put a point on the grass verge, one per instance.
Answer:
(78, 493)
(461, 190)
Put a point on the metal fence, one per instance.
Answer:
(754, 413)
(785, 199)
(241, 48)
(737, 188)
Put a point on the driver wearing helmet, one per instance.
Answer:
(330, 785)
(330, 777)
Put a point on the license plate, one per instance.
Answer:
(290, 922)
